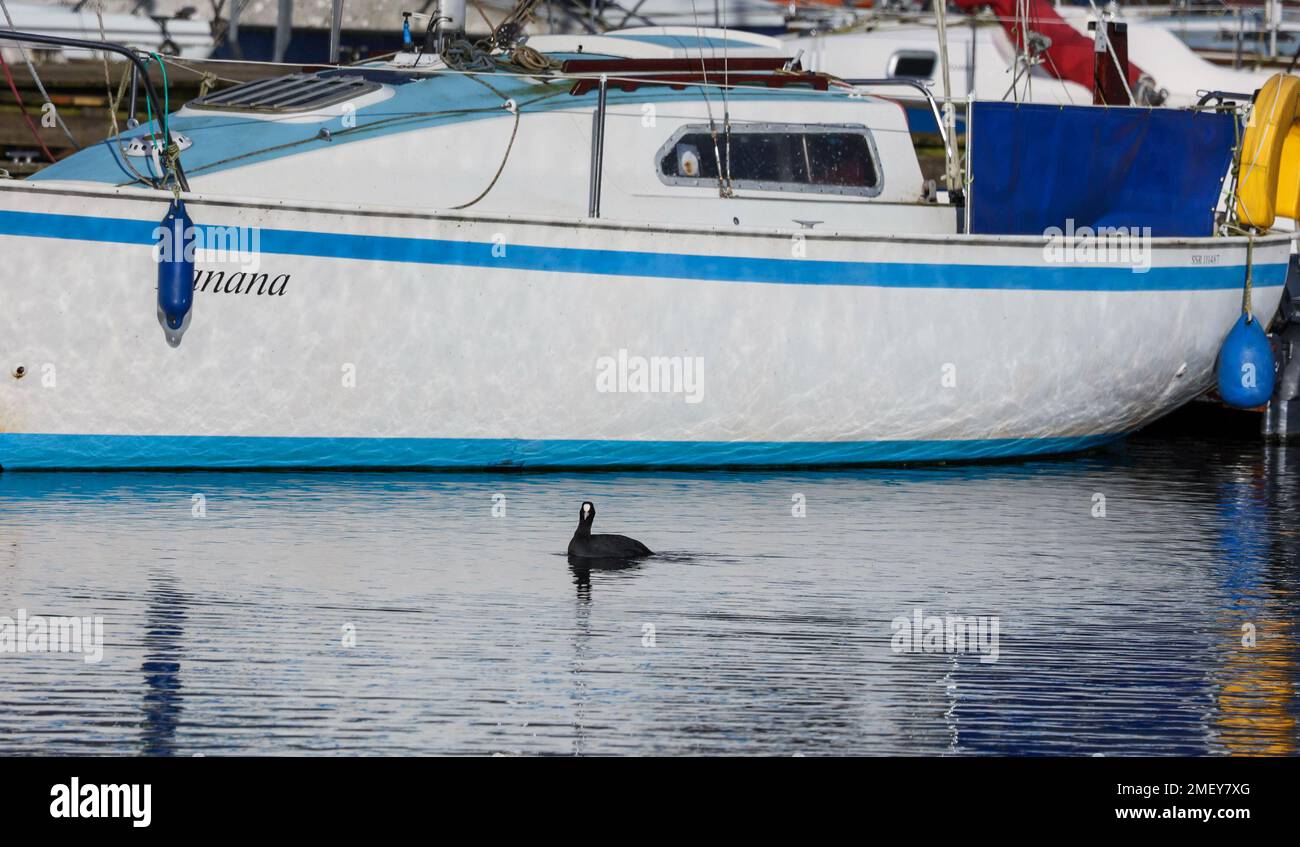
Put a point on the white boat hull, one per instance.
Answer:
(400, 339)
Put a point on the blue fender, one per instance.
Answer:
(1246, 368)
(175, 254)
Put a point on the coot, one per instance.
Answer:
(587, 546)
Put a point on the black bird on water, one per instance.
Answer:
(587, 546)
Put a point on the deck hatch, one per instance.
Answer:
(294, 93)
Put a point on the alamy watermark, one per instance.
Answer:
(53, 634)
(921, 633)
(1103, 245)
(627, 374)
(131, 801)
(211, 245)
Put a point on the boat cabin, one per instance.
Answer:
(688, 126)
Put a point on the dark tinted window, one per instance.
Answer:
(829, 159)
(914, 65)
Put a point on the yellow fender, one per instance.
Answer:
(1271, 122)
(1288, 175)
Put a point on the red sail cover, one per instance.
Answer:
(1069, 57)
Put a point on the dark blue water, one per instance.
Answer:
(233, 631)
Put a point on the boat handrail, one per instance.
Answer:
(142, 72)
(1223, 97)
(910, 83)
(597, 150)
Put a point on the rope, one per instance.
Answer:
(1022, 23)
(530, 60)
(482, 14)
(1250, 262)
(113, 102)
(209, 80)
(512, 25)
(513, 132)
(1230, 213)
(461, 55)
(723, 189)
(171, 153)
(171, 158)
(108, 79)
(726, 103)
(22, 108)
(31, 69)
(171, 60)
(1056, 72)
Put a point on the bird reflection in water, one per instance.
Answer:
(163, 650)
(582, 569)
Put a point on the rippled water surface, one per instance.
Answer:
(755, 632)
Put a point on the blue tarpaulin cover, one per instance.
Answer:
(1036, 166)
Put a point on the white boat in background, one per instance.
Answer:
(1235, 33)
(542, 264)
(183, 37)
(983, 60)
(1174, 66)
(766, 16)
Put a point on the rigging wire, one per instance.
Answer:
(1110, 48)
(1056, 72)
(205, 75)
(23, 108)
(708, 106)
(113, 103)
(726, 104)
(31, 69)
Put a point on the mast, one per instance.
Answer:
(283, 29)
(336, 27)
(949, 116)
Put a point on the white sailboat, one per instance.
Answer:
(987, 65)
(535, 258)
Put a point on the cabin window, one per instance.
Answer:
(912, 64)
(829, 159)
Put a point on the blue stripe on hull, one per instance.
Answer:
(20, 451)
(575, 260)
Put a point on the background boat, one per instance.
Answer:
(174, 28)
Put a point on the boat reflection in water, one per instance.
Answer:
(756, 632)
(1255, 705)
